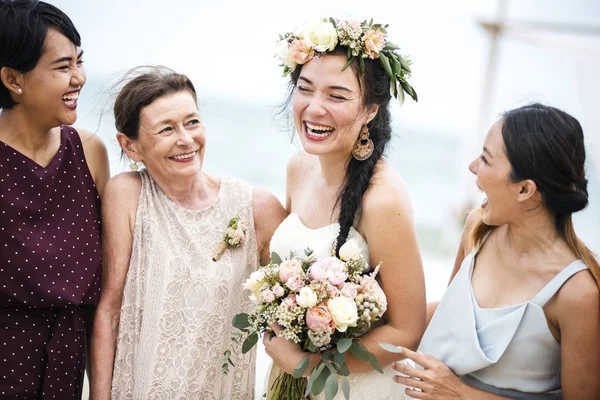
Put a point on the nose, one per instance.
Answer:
(315, 107)
(78, 78)
(184, 138)
(474, 166)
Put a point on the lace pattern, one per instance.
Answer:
(178, 304)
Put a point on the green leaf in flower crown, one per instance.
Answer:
(240, 321)
(350, 59)
(343, 345)
(275, 259)
(404, 63)
(390, 46)
(393, 88)
(332, 22)
(409, 89)
(346, 388)
(385, 62)
(301, 368)
(249, 343)
(390, 347)
(362, 65)
(331, 387)
(319, 383)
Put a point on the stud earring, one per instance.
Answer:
(364, 146)
(19, 90)
(134, 167)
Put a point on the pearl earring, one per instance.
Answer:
(19, 90)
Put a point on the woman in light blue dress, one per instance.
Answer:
(521, 316)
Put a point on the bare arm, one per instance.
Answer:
(268, 214)
(96, 158)
(578, 309)
(388, 226)
(118, 213)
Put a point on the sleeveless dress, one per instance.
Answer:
(293, 235)
(50, 269)
(508, 351)
(178, 304)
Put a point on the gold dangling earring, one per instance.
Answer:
(364, 146)
(134, 167)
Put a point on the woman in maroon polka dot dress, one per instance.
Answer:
(51, 177)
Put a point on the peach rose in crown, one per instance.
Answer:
(374, 43)
(289, 268)
(299, 52)
(319, 315)
(329, 269)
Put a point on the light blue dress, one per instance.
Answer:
(508, 351)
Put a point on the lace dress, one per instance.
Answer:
(178, 304)
(293, 235)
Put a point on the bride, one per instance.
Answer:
(341, 187)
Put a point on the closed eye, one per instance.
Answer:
(165, 130)
(303, 89)
(338, 97)
(482, 157)
(193, 122)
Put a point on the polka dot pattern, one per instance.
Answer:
(50, 267)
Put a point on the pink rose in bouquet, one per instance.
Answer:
(319, 315)
(329, 269)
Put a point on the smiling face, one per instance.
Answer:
(171, 138)
(327, 106)
(504, 199)
(51, 90)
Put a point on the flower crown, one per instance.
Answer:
(363, 40)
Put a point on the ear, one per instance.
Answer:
(527, 189)
(11, 79)
(130, 147)
(371, 112)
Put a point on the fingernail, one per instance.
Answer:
(394, 365)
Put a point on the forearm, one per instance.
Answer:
(431, 307)
(104, 343)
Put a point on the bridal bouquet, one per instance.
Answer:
(322, 304)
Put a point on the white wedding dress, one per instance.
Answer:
(293, 236)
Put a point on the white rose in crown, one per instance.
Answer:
(350, 250)
(320, 36)
(343, 312)
(283, 52)
(306, 298)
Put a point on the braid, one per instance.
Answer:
(358, 176)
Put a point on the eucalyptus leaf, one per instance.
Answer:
(314, 374)
(346, 388)
(249, 343)
(301, 368)
(343, 345)
(350, 59)
(362, 65)
(385, 62)
(390, 347)
(275, 259)
(331, 387)
(241, 321)
(319, 383)
(359, 351)
(374, 362)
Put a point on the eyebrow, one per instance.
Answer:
(485, 149)
(335, 87)
(63, 59)
(170, 121)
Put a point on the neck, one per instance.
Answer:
(194, 193)
(333, 169)
(532, 235)
(22, 132)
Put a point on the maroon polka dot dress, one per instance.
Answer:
(49, 270)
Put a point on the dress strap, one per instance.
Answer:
(556, 283)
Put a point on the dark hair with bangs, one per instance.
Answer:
(24, 25)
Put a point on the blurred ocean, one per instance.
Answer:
(249, 141)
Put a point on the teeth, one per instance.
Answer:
(185, 156)
(70, 98)
(319, 128)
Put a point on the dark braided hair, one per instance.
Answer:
(375, 86)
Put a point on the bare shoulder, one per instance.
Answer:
(263, 200)
(387, 194)
(580, 294)
(90, 140)
(268, 213)
(123, 189)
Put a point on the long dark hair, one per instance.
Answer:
(23, 28)
(375, 86)
(546, 145)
